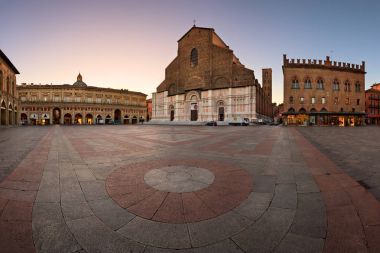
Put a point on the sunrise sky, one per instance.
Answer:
(128, 44)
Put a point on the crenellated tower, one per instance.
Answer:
(267, 83)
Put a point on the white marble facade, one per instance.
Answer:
(229, 104)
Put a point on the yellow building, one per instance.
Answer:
(79, 104)
(8, 94)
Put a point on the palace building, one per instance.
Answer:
(206, 81)
(8, 94)
(79, 104)
(323, 92)
(372, 104)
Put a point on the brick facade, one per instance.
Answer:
(323, 92)
(372, 104)
(9, 101)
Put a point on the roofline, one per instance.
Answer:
(193, 27)
(10, 64)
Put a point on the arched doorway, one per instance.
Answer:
(134, 120)
(67, 119)
(193, 108)
(220, 106)
(99, 119)
(33, 119)
(3, 114)
(24, 119)
(78, 119)
(89, 120)
(56, 115)
(45, 119)
(117, 116)
(108, 119)
(141, 119)
(171, 109)
(10, 115)
(126, 120)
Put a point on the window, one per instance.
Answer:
(336, 100)
(347, 101)
(323, 100)
(307, 84)
(89, 100)
(357, 101)
(302, 99)
(67, 99)
(98, 100)
(347, 86)
(291, 99)
(23, 99)
(357, 87)
(45, 98)
(108, 101)
(336, 85)
(77, 99)
(320, 85)
(56, 99)
(313, 100)
(194, 57)
(295, 84)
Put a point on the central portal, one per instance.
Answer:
(194, 112)
(56, 115)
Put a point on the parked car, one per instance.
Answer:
(211, 123)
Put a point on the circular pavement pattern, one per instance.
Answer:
(179, 179)
(179, 191)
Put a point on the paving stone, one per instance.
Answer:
(264, 184)
(94, 236)
(48, 193)
(94, 190)
(256, 204)
(110, 213)
(285, 196)
(85, 175)
(297, 243)
(310, 219)
(223, 227)
(75, 210)
(157, 234)
(267, 232)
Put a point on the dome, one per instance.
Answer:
(79, 82)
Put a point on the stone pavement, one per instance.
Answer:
(180, 189)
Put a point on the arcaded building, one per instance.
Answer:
(372, 104)
(206, 81)
(8, 94)
(79, 104)
(325, 92)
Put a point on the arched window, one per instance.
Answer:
(347, 86)
(307, 84)
(357, 87)
(1, 81)
(291, 100)
(320, 84)
(295, 84)
(336, 100)
(336, 85)
(194, 57)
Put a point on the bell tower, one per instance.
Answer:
(267, 83)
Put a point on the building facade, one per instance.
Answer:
(79, 104)
(206, 81)
(8, 94)
(149, 109)
(323, 92)
(372, 104)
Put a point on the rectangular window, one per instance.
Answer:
(23, 99)
(77, 99)
(67, 99)
(56, 99)
(347, 101)
(98, 100)
(323, 100)
(89, 100)
(45, 99)
(108, 101)
(313, 100)
(357, 101)
(302, 99)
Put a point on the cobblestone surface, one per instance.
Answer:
(267, 189)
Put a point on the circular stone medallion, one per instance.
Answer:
(179, 178)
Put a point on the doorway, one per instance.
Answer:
(56, 115)
(221, 114)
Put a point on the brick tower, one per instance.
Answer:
(267, 83)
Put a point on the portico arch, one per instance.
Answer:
(108, 119)
(67, 119)
(24, 119)
(117, 116)
(78, 119)
(89, 119)
(126, 120)
(3, 113)
(99, 119)
(56, 115)
(134, 120)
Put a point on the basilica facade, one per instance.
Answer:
(79, 104)
(206, 81)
